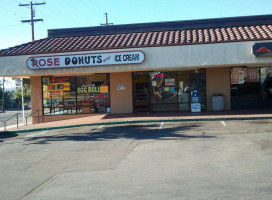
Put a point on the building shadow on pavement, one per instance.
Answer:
(188, 114)
(136, 132)
(6, 135)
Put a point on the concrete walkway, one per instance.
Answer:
(145, 118)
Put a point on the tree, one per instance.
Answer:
(27, 92)
(7, 94)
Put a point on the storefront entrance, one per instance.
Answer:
(168, 91)
(251, 88)
(140, 91)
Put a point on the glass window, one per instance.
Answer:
(163, 92)
(72, 95)
(93, 93)
(245, 88)
(266, 87)
(168, 91)
(59, 96)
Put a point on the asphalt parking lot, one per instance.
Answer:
(167, 160)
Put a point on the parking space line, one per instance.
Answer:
(224, 124)
(98, 128)
(161, 126)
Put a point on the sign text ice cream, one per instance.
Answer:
(46, 62)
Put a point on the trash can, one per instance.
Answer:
(217, 102)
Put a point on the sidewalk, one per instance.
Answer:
(104, 119)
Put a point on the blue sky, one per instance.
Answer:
(83, 13)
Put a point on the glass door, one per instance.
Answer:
(189, 81)
(140, 91)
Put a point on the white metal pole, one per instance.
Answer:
(3, 95)
(23, 107)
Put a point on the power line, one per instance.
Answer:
(62, 15)
(6, 27)
(9, 11)
(89, 7)
(32, 15)
(52, 11)
(79, 10)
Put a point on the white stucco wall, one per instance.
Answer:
(156, 58)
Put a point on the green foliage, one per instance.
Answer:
(7, 96)
(27, 93)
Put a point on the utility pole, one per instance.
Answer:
(32, 15)
(107, 23)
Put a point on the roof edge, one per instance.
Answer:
(160, 26)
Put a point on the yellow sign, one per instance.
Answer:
(94, 89)
(58, 86)
(104, 89)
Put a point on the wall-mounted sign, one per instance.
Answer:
(121, 86)
(262, 49)
(83, 60)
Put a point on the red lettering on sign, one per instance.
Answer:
(56, 62)
(34, 62)
(49, 62)
(42, 62)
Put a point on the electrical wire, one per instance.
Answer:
(58, 13)
(63, 15)
(10, 12)
(75, 8)
(7, 27)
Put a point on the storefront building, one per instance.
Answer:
(177, 66)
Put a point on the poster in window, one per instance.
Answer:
(237, 75)
(169, 81)
(252, 75)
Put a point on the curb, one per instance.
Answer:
(136, 121)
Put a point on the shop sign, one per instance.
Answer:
(237, 75)
(58, 86)
(84, 90)
(94, 89)
(262, 49)
(54, 79)
(156, 75)
(83, 60)
(169, 81)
